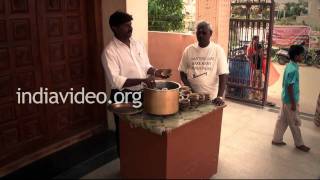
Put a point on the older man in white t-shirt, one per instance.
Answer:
(204, 65)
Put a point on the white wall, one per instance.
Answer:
(109, 7)
(139, 10)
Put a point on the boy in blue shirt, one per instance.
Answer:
(290, 99)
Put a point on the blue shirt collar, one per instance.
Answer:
(294, 63)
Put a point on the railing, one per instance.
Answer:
(249, 18)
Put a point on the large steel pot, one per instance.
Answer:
(163, 99)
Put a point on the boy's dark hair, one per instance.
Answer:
(295, 50)
(118, 18)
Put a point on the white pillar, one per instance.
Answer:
(139, 10)
(217, 13)
(109, 7)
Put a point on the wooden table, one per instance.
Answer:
(186, 148)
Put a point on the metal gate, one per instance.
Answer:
(249, 72)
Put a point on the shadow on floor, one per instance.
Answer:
(72, 162)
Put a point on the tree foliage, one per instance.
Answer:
(252, 12)
(165, 15)
(294, 9)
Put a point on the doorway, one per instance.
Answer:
(54, 44)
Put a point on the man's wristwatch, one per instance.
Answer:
(154, 72)
(220, 97)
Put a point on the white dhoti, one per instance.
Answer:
(286, 118)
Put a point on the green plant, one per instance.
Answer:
(287, 21)
(166, 15)
(294, 9)
(313, 54)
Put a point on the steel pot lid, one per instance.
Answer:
(163, 85)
